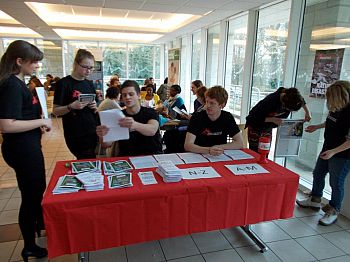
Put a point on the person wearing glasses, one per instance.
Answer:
(79, 118)
(268, 113)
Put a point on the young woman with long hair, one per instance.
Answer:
(20, 125)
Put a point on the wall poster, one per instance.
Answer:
(174, 66)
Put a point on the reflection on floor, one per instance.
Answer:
(296, 239)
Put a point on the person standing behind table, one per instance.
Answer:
(142, 122)
(268, 113)
(162, 91)
(335, 155)
(79, 118)
(196, 84)
(20, 125)
(208, 130)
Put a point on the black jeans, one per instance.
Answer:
(26, 158)
(83, 147)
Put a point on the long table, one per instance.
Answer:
(89, 221)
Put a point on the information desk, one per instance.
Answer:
(87, 221)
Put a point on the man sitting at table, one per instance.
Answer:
(208, 130)
(142, 122)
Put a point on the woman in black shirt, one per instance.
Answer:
(20, 123)
(335, 155)
(79, 118)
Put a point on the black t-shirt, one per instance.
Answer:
(270, 106)
(337, 130)
(77, 123)
(17, 102)
(139, 144)
(210, 133)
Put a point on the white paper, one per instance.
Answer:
(169, 157)
(110, 118)
(237, 154)
(147, 178)
(199, 172)
(192, 158)
(185, 112)
(247, 169)
(140, 162)
(219, 158)
(40, 91)
(177, 110)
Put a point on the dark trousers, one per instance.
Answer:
(83, 147)
(28, 162)
(174, 141)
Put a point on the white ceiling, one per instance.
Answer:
(205, 12)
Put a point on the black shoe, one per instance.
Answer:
(36, 251)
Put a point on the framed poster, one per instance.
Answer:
(327, 67)
(288, 139)
(174, 66)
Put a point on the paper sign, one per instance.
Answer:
(199, 172)
(247, 169)
(147, 178)
(40, 91)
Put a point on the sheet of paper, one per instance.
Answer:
(110, 118)
(219, 158)
(192, 158)
(185, 112)
(199, 172)
(40, 91)
(169, 157)
(247, 169)
(140, 162)
(237, 154)
(177, 110)
(147, 178)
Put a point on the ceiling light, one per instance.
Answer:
(81, 34)
(330, 31)
(9, 31)
(327, 46)
(5, 18)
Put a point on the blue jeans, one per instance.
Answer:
(338, 168)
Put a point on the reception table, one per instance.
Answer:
(88, 221)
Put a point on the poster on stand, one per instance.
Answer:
(289, 135)
(173, 66)
(327, 68)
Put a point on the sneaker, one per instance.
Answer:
(329, 217)
(311, 202)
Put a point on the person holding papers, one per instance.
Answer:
(268, 113)
(77, 109)
(208, 130)
(20, 125)
(142, 122)
(335, 155)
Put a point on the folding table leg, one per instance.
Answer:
(247, 229)
(83, 257)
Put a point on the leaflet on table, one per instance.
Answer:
(169, 157)
(120, 180)
(111, 168)
(40, 91)
(247, 169)
(92, 181)
(192, 158)
(237, 154)
(86, 98)
(140, 162)
(147, 178)
(219, 158)
(84, 166)
(63, 190)
(199, 172)
(110, 118)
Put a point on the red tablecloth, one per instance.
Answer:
(87, 221)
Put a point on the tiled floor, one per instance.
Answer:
(297, 239)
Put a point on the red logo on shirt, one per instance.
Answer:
(205, 132)
(35, 100)
(76, 94)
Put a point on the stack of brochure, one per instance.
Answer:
(111, 168)
(169, 172)
(86, 166)
(67, 184)
(91, 181)
(120, 180)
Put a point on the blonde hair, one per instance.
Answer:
(80, 56)
(338, 95)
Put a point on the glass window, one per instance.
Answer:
(196, 52)
(114, 59)
(270, 52)
(236, 44)
(52, 61)
(211, 73)
(140, 62)
(323, 46)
